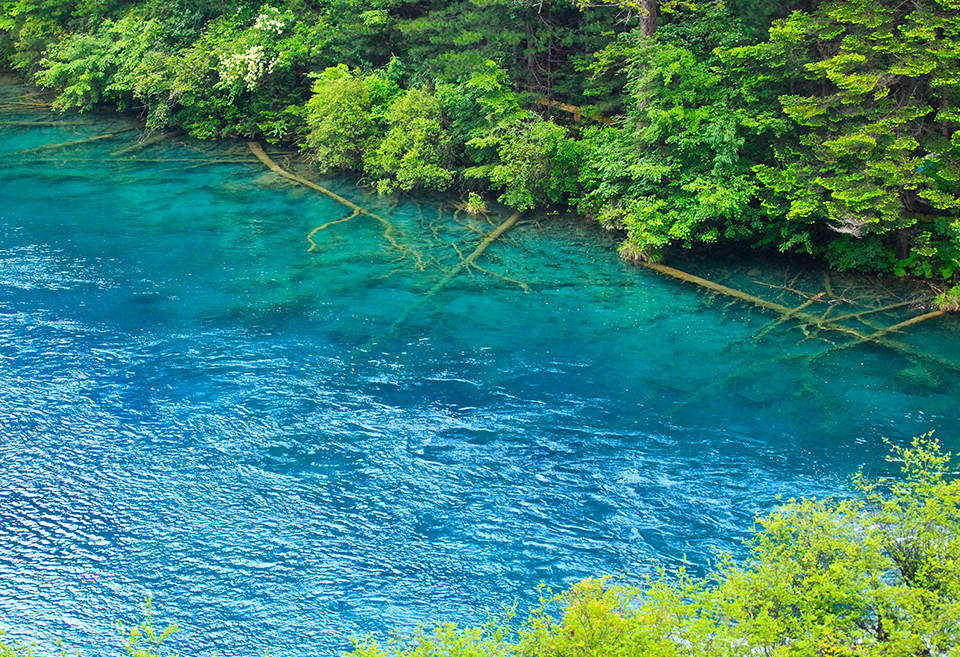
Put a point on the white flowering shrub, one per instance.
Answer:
(247, 54)
(249, 65)
(271, 20)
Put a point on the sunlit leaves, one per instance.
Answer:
(879, 100)
(873, 575)
(415, 152)
(678, 170)
(345, 115)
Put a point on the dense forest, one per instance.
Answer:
(826, 128)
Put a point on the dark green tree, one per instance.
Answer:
(678, 168)
(875, 110)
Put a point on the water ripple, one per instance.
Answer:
(190, 408)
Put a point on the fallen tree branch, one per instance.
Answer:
(828, 285)
(864, 313)
(69, 144)
(144, 143)
(388, 228)
(313, 245)
(453, 272)
(523, 286)
(876, 337)
(879, 337)
(803, 306)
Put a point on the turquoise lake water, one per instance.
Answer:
(197, 405)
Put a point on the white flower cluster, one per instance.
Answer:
(250, 66)
(270, 20)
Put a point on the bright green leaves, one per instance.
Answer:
(876, 575)
(216, 85)
(537, 165)
(15, 648)
(416, 149)
(345, 115)
(117, 63)
(535, 162)
(145, 639)
(367, 122)
(918, 515)
(868, 155)
(80, 67)
(495, 96)
(429, 138)
(917, 521)
(678, 171)
(812, 580)
(245, 71)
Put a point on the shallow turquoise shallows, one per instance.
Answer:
(267, 435)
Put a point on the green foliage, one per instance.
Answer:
(145, 639)
(949, 300)
(537, 165)
(478, 33)
(232, 78)
(475, 204)
(492, 639)
(834, 136)
(416, 150)
(679, 169)
(871, 576)
(14, 648)
(80, 66)
(346, 115)
(869, 253)
(873, 108)
(245, 72)
(535, 162)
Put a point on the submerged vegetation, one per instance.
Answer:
(821, 127)
(877, 573)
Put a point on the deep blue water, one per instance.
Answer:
(196, 406)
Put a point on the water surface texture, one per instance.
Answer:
(200, 404)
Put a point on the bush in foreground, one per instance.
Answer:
(878, 575)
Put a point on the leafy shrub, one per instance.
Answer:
(949, 300)
(537, 167)
(415, 152)
(144, 639)
(875, 575)
(234, 77)
(345, 116)
(14, 648)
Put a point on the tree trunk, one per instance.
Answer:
(648, 17)
(903, 243)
